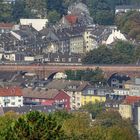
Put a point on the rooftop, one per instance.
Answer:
(10, 91)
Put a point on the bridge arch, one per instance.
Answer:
(117, 80)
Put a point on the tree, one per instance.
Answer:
(129, 24)
(5, 12)
(121, 53)
(92, 76)
(37, 8)
(58, 6)
(77, 126)
(35, 126)
(93, 109)
(5, 122)
(53, 17)
(19, 10)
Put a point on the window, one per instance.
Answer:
(69, 59)
(13, 103)
(78, 98)
(56, 59)
(19, 100)
(63, 59)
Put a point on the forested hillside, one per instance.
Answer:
(102, 11)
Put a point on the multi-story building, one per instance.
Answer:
(125, 111)
(121, 92)
(133, 86)
(92, 95)
(72, 88)
(11, 97)
(118, 80)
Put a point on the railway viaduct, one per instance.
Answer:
(46, 70)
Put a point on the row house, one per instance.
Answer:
(61, 58)
(64, 40)
(72, 88)
(46, 97)
(11, 97)
(91, 94)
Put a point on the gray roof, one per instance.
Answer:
(67, 85)
(40, 93)
(128, 7)
(26, 109)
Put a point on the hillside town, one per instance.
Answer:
(75, 34)
(72, 104)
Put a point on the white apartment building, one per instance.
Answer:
(11, 97)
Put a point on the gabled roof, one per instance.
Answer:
(10, 91)
(40, 93)
(6, 25)
(66, 84)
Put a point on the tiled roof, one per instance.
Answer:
(6, 25)
(40, 93)
(10, 91)
(65, 85)
(72, 19)
(131, 99)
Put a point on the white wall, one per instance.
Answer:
(114, 36)
(28, 58)
(139, 121)
(38, 24)
(13, 101)
(121, 92)
(60, 75)
(10, 56)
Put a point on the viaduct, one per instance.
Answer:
(46, 70)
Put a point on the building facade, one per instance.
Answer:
(11, 97)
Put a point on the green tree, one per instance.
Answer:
(92, 76)
(129, 24)
(53, 17)
(19, 10)
(94, 109)
(5, 121)
(56, 5)
(5, 12)
(37, 8)
(35, 126)
(77, 126)
(121, 53)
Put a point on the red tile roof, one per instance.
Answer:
(6, 25)
(71, 19)
(131, 99)
(11, 91)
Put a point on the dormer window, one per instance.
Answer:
(63, 60)
(56, 59)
